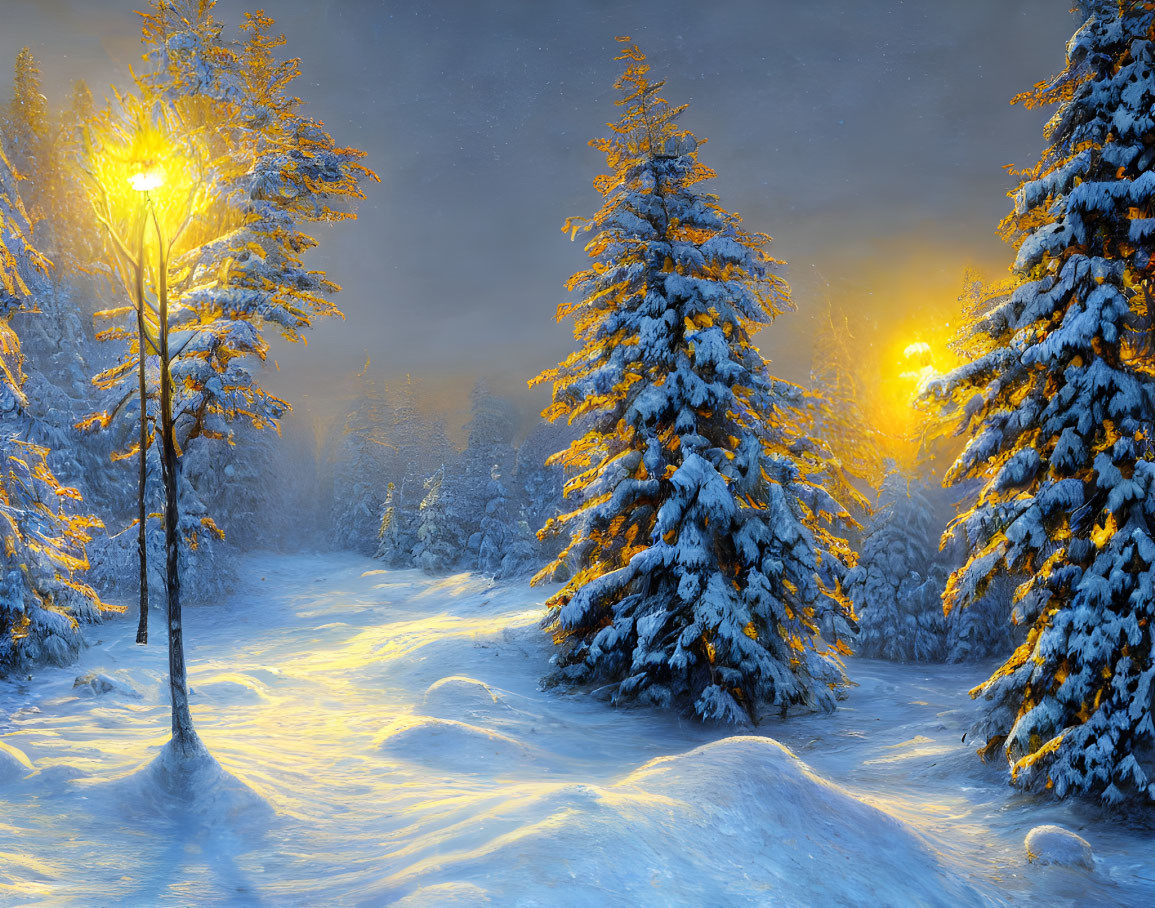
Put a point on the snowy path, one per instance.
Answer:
(392, 728)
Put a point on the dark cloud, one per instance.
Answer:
(867, 137)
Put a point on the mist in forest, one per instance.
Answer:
(857, 135)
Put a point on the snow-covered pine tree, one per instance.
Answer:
(896, 587)
(495, 528)
(226, 173)
(520, 557)
(398, 532)
(397, 535)
(42, 556)
(440, 543)
(449, 519)
(273, 172)
(279, 172)
(419, 446)
(708, 573)
(57, 340)
(360, 461)
(540, 486)
(263, 172)
(42, 146)
(55, 336)
(506, 547)
(491, 428)
(76, 238)
(1061, 409)
(983, 629)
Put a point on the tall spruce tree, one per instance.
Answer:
(491, 427)
(1060, 406)
(708, 576)
(397, 534)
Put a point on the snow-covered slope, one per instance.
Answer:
(382, 739)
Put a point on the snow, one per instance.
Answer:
(1056, 845)
(14, 764)
(380, 737)
(95, 684)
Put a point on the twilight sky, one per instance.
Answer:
(867, 137)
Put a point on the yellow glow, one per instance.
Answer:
(132, 152)
(897, 291)
(907, 366)
(919, 377)
(146, 180)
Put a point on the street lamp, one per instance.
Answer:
(147, 178)
(147, 191)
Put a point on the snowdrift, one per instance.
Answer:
(386, 739)
(739, 820)
(456, 747)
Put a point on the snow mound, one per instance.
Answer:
(455, 746)
(458, 695)
(96, 684)
(739, 821)
(232, 687)
(14, 764)
(1056, 845)
(192, 788)
(819, 837)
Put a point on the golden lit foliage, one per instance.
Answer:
(312, 174)
(234, 170)
(147, 173)
(42, 535)
(15, 244)
(43, 145)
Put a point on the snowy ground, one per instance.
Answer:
(393, 746)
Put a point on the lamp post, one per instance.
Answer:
(146, 190)
(142, 182)
(145, 181)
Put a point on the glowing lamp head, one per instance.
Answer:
(147, 179)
